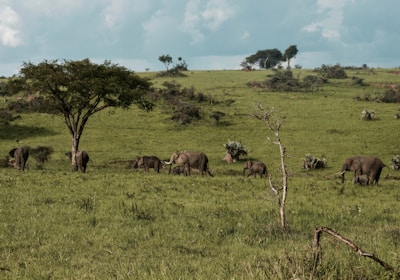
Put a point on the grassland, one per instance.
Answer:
(118, 223)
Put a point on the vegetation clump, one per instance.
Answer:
(368, 115)
(332, 72)
(182, 103)
(41, 154)
(312, 162)
(280, 81)
(396, 162)
(235, 149)
(176, 71)
(217, 115)
(390, 95)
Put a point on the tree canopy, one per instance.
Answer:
(265, 58)
(79, 89)
(166, 59)
(290, 53)
(270, 58)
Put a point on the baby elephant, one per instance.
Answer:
(363, 180)
(178, 170)
(150, 162)
(255, 168)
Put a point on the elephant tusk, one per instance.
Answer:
(168, 163)
(341, 172)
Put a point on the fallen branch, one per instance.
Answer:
(358, 250)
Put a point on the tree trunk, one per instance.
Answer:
(284, 185)
(75, 146)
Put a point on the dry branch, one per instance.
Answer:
(317, 236)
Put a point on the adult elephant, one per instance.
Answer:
(362, 165)
(21, 156)
(82, 158)
(195, 160)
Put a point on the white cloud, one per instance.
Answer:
(246, 35)
(9, 22)
(330, 13)
(216, 13)
(191, 21)
(211, 16)
(117, 12)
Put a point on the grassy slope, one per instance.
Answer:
(117, 223)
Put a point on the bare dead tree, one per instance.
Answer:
(275, 125)
(317, 236)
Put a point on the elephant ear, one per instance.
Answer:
(11, 152)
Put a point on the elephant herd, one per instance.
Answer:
(367, 169)
(185, 161)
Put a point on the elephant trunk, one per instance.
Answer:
(342, 175)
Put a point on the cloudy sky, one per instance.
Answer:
(207, 34)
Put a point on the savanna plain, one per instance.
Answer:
(115, 222)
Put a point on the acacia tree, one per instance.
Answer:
(265, 59)
(290, 53)
(166, 59)
(79, 89)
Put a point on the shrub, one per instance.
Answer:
(312, 162)
(368, 115)
(332, 72)
(185, 113)
(396, 162)
(41, 154)
(235, 149)
(217, 115)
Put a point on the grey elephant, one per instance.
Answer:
(195, 160)
(362, 179)
(20, 156)
(255, 167)
(149, 162)
(81, 160)
(364, 165)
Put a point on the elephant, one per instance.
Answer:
(133, 164)
(362, 179)
(364, 165)
(178, 170)
(255, 168)
(149, 162)
(21, 156)
(82, 158)
(195, 160)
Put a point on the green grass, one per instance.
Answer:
(117, 223)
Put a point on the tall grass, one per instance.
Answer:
(115, 222)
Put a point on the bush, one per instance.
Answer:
(235, 149)
(368, 115)
(185, 113)
(396, 162)
(312, 162)
(41, 154)
(332, 72)
(217, 115)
